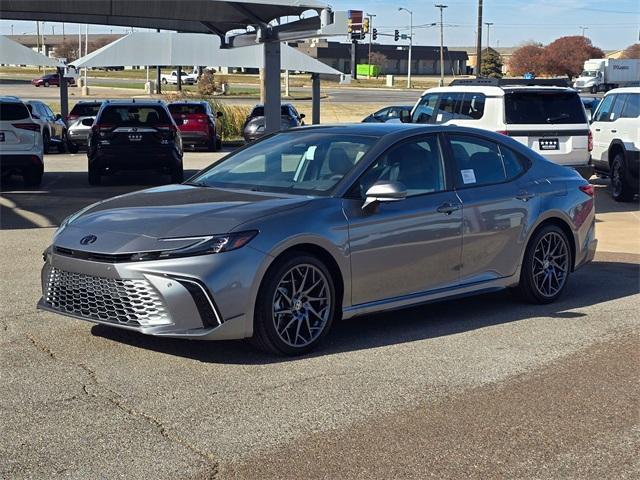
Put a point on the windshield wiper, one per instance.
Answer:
(562, 116)
(196, 184)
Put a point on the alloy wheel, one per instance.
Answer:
(301, 305)
(550, 264)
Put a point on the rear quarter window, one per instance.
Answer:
(544, 108)
(186, 109)
(13, 111)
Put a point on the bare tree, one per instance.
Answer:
(380, 60)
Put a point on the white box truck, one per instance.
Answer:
(603, 74)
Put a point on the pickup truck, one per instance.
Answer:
(187, 79)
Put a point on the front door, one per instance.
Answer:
(407, 246)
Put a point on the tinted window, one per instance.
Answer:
(381, 114)
(416, 164)
(472, 107)
(186, 109)
(632, 106)
(423, 112)
(543, 107)
(307, 163)
(259, 111)
(13, 111)
(616, 111)
(134, 115)
(604, 109)
(448, 106)
(85, 109)
(481, 162)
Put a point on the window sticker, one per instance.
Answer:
(468, 176)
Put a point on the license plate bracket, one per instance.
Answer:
(549, 144)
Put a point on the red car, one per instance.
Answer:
(51, 79)
(197, 123)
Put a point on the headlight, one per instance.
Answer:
(200, 246)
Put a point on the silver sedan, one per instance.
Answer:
(301, 229)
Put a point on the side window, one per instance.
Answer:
(472, 107)
(513, 165)
(604, 110)
(448, 107)
(381, 114)
(417, 164)
(616, 112)
(48, 111)
(480, 162)
(632, 106)
(424, 111)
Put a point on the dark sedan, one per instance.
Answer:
(50, 79)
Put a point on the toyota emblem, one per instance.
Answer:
(88, 240)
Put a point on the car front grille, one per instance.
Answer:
(128, 302)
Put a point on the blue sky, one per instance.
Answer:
(610, 24)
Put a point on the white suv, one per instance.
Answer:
(20, 142)
(616, 140)
(550, 120)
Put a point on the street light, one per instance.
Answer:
(410, 43)
(441, 7)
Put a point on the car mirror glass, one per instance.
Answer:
(219, 114)
(385, 191)
(302, 115)
(58, 116)
(405, 117)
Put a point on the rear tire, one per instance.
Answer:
(46, 141)
(301, 288)
(33, 177)
(546, 266)
(46, 84)
(212, 144)
(621, 189)
(94, 176)
(62, 146)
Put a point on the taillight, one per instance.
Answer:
(101, 129)
(502, 132)
(590, 141)
(588, 189)
(34, 127)
(166, 128)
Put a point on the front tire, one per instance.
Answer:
(296, 306)
(621, 189)
(546, 266)
(46, 141)
(62, 146)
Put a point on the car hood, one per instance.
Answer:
(135, 222)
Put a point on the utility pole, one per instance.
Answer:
(583, 29)
(488, 24)
(371, 17)
(441, 7)
(410, 44)
(12, 29)
(354, 59)
(158, 76)
(479, 41)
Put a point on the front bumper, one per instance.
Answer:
(204, 297)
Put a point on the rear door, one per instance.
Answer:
(551, 122)
(602, 135)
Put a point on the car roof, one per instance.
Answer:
(623, 90)
(493, 91)
(133, 102)
(188, 102)
(373, 129)
(10, 99)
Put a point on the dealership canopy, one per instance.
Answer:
(12, 53)
(257, 19)
(167, 48)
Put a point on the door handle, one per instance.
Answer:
(614, 131)
(597, 129)
(525, 196)
(448, 208)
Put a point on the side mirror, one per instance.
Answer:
(58, 116)
(219, 114)
(87, 122)
(385, 192)
(405, 117)
(302, 115)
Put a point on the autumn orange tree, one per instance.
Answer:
(527, 58)
(566, 55)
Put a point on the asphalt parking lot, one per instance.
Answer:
(484, 387)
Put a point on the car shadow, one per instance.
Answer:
(605, 202)
(413, 324)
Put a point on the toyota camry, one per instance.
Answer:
(292, 233)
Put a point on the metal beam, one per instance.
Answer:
(272, 96)
(315, 98)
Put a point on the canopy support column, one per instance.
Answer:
(271, 85)
(179, 79)
(64, 95)
(158, 80)
(315, 98)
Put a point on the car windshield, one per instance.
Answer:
(186, 108)
(134, 115)
(307, 163)
(544, 108)
(589, 73)
(85, 110)
(259, 111)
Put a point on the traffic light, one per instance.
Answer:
(365, 26)
(350, 26)
(396, 35)
(375, 33)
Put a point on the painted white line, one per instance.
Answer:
(35, 218)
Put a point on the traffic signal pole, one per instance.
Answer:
(354, 69)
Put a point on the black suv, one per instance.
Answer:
(134, 135)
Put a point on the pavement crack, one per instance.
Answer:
(41, 346)
(114, 398)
